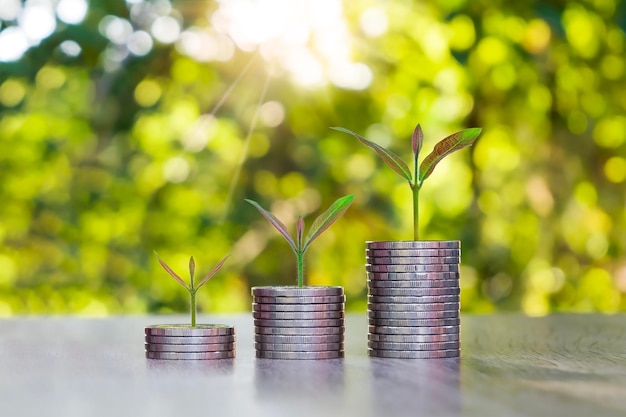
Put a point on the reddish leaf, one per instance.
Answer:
(326, 219)
(170, 271)
(300, 231)
(391, 159)
(213, 272)
(278, 225)
(445, 147)
(417, 140)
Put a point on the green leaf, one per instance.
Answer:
(445, 147)
(391, 159)
(170, 271)
(213, 272)
(278, 225)
(326, 219)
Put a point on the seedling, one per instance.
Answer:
(445, 147)
(192, 288)
(300, 244)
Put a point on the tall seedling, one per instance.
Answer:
(445, 147)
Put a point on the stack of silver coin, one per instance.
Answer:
(413, 302)
(298, 323)
(181, 341)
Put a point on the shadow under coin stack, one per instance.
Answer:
(298, 323)
(181, 341)
(413, 302)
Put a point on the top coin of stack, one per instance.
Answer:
(298, 323)
(413, 303)
(181, 341)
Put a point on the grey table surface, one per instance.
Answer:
(511, 365)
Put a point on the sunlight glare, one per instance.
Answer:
(309, 38)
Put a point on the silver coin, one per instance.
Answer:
(413, 268)
(414, 346)
(271, 354)
(413, 307)
(327, 338)
(427, 283)
(298, 307)
(415, 244)
(299, 331)
(187, 330)
(299, 323)
(190, 340)
(416, 338)
(415, 354)
(414, 323)
(379, 299)
(395, 330)
(412, 252)
(191, 355)
(213, 347)
(411, 276)
(413, 315)
(414, 292)
(430, 260)
(301, 300)
(296, 291)
(298, 347)
(298, 315)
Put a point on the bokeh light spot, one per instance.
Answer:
(147, 93)
(72, 11)
(615, 169)
(610, 132)
(373, 22)
(12, 93)
(166, 29)
(272, 113)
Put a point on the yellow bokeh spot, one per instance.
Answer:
(615, 169)
(259, 145)
(12, 93)
(537, 36)
(495, 151)
(597, 291)
(265, 183)
(147, 93)
(539, 98)
(185, 70)
(292, 184)
(504, 76)
(535, 304)
(586, 193)
(462, 33)
(581, 30)
(360, 166)
(610, 132)
(50, 78)
(492, 51)
(612, 67)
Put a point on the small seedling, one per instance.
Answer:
(300, 244)
(192, 288)
(445, 147)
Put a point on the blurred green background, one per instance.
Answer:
(129, 127)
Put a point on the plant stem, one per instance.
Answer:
(300, 258)
(416, 211)
(192, 295)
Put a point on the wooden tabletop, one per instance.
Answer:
(511, 365)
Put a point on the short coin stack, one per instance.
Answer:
(298, 323)
(413, 302)
(181, 341)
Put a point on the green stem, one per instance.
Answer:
(300, 258)
(192, 295)
(416, 211)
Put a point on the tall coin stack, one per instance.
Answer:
(298, 323)
(181, 341)
(413, 302)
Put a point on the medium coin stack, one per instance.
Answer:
(413, 302)
(298, 323)
(181, 341)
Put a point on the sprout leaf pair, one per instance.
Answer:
(301, 243)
